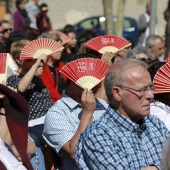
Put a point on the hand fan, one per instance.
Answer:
(40, 46)
(168, 59)
(64, 38)
(107, 43)
(3, 68)
(86, 72)
(162, 79)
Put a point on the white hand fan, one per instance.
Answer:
(86, 72)
(162, 79)
(3, 68)
(107, 43)
(40, 46)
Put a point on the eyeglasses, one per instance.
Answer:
(6, 30)
(141, 91)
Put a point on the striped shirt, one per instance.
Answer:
(61, 123)
(114, 142)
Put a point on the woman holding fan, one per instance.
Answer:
(32, 88)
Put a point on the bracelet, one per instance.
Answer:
(11, 144)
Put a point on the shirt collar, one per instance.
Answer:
(72, 104)
(125, 123)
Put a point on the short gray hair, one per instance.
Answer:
(48, 35)
(117, 74)
(151, 40)
(139, 49)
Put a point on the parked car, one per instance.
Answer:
(130, 30)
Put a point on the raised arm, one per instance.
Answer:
(27, 78)
(88, 107)
(108, 58)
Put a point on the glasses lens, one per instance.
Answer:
(152, 87)
(6, 30)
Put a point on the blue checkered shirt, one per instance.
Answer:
(61, 123)
(114, 142)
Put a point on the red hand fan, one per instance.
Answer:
(168, 59)
(162, 79)
(3, 68)
(64, 38)
(40, 46)
(86, 72)
(107, 43)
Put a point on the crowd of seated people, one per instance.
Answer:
(119, 124)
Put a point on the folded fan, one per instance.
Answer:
(40, 46)
(86, 72)
(3, 68)
(107, 43)
(162, 79)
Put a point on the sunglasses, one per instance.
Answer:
(6, 30)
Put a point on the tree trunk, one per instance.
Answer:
(120, 17)
(108, 11)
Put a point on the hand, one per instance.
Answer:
(39, 71)
(107, 57)
(88, 102)
(41, 59)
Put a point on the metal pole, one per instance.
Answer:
(153, 16)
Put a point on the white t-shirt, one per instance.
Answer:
(8, 159)
(161, 111)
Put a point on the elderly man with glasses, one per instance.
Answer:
(126, 136)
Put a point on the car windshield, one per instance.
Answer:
(126, 24)
(89, 23)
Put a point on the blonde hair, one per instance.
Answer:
(17, 47)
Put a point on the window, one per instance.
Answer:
(89, 24)
(126, 24)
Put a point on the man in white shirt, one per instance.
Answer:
(32, 9)
(144, 25)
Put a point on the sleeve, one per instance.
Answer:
(57, 128)
(13, 81)
(142, 23)
(99, 151)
